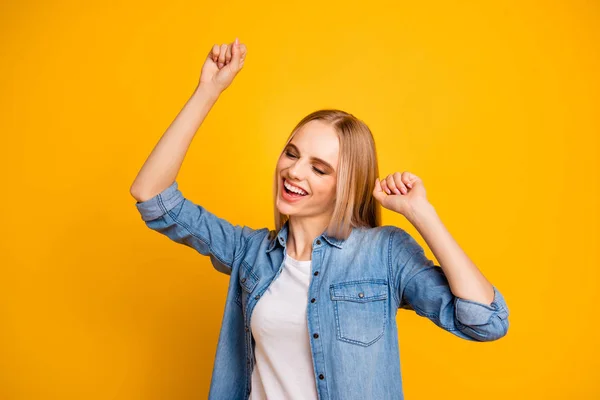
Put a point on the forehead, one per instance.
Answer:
(318, 139)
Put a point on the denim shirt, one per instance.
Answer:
(357, 286)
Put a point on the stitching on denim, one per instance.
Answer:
(248, 351)
(161, 205)
(500, 308)
(375, 297)
(486, 306)
(248, 271)
(377, 281)
(503, 314)
(492, 313)
(391, 277)
(505, 324)
(318, 329)
(238, 297)
(382, 296)
(349, 340)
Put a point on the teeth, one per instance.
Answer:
(293, 188)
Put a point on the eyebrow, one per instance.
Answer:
(313, 158)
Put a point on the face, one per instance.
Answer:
(309, 162)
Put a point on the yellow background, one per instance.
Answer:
(493, 104)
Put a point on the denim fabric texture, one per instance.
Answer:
(357, 286)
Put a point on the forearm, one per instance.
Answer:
(163, 164)
(465, 279)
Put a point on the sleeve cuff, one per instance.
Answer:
(160, 204)
(470, 312)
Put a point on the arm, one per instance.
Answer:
(455, 296)
(424, 287)
(464, 278)
(162, 165)
(176, 217)
(159, 201)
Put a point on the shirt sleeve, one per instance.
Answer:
(421, 286)
(176, 217)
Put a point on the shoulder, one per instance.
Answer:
(398, 243)
(261, 235)
(389, 234)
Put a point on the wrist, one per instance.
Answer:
(207, 90)
(420, 210)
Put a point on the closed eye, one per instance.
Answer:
(318, 171)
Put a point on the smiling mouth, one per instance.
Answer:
(290, 193)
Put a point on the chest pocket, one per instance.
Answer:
(360, 309)
(248, 281)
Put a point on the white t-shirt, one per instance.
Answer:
(283, 366)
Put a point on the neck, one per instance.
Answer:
(302, 231)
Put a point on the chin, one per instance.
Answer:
(285, 208)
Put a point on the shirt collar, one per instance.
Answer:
(281, 238)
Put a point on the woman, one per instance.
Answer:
(311, 306)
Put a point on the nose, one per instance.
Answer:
(295, 172)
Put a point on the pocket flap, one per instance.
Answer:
(359, 291)
(248, 278)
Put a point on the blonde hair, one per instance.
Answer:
(357, 169)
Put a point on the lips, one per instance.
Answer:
(290, 183)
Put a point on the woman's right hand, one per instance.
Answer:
(222, 65)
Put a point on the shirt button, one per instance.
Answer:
(321, 376)
(246, 329)
(243, 280)
(316, 273)
(257, 296)
(361, 295)
(318, 241)
(315, 335)
(313, 300)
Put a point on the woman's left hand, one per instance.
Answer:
(400, 192)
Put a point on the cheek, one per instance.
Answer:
(325, 188)
(281, 164)
(332, 189)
